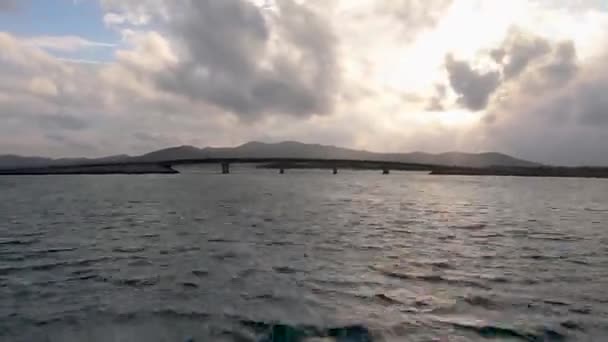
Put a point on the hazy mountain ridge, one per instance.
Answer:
(286, 149)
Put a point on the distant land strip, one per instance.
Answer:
(542, 171)
(166, 167)
(108, 169)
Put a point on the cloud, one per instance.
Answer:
(436, 103)
(63, 122)
(65, 43)
(77, 145)
(524, 63)
(194, 71)
(413, 15)
(537, 99)
(249, 63)
(473, 87)
(518, 50)
(550, 106)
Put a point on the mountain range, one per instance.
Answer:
(286, 149)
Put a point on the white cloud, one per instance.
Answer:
(65, 43)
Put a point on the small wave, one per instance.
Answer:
(491, 331)
(50, 266)
(432, 278)
(433, 211)
(555, 302)
(540, 257)
(344, 283)
(185, 249)
(404, 222)
(7, 270)
(495, 278)
(554, 237)
(85, 277)
(189, 285)
(283, 332)
(18, 242)
(494, 331)
(138, 282)
(56, 250)
(581, 310)
(33, 254)
(572, 325)
(140, 262)
(263, 296)
(487, 236)
(579, 262)
(200, 273)
(225, 256)
(481, 301)
(441, 264)
(221, 240)
(516, 232)
(174, 313)
(401, 231)
(82, 271)
(150, 235)
(596, 210)
(132, 249)
(285, 269)
(328, 248)
(280, 243)
(31, 234)
(478, 226)
(386, 299)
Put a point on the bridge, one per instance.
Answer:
(138, 166)
(166, 166)
(304, 163)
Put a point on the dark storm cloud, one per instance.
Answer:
(533, 66)
(550, 106)
(584, 99)
(525, 63)
(226, 57)
(561, 67)
(472, 86)
(548, 64)
(518, 50)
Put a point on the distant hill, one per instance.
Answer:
(286, 149)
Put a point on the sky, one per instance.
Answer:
(102, 77)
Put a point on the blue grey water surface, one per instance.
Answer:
(257, 256)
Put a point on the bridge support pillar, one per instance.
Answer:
(225, 168)
(335, 171)
(385, 171)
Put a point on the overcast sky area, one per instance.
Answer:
(102, 77)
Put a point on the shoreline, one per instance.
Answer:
(548, 172)
(117, 169)
(166, 168)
